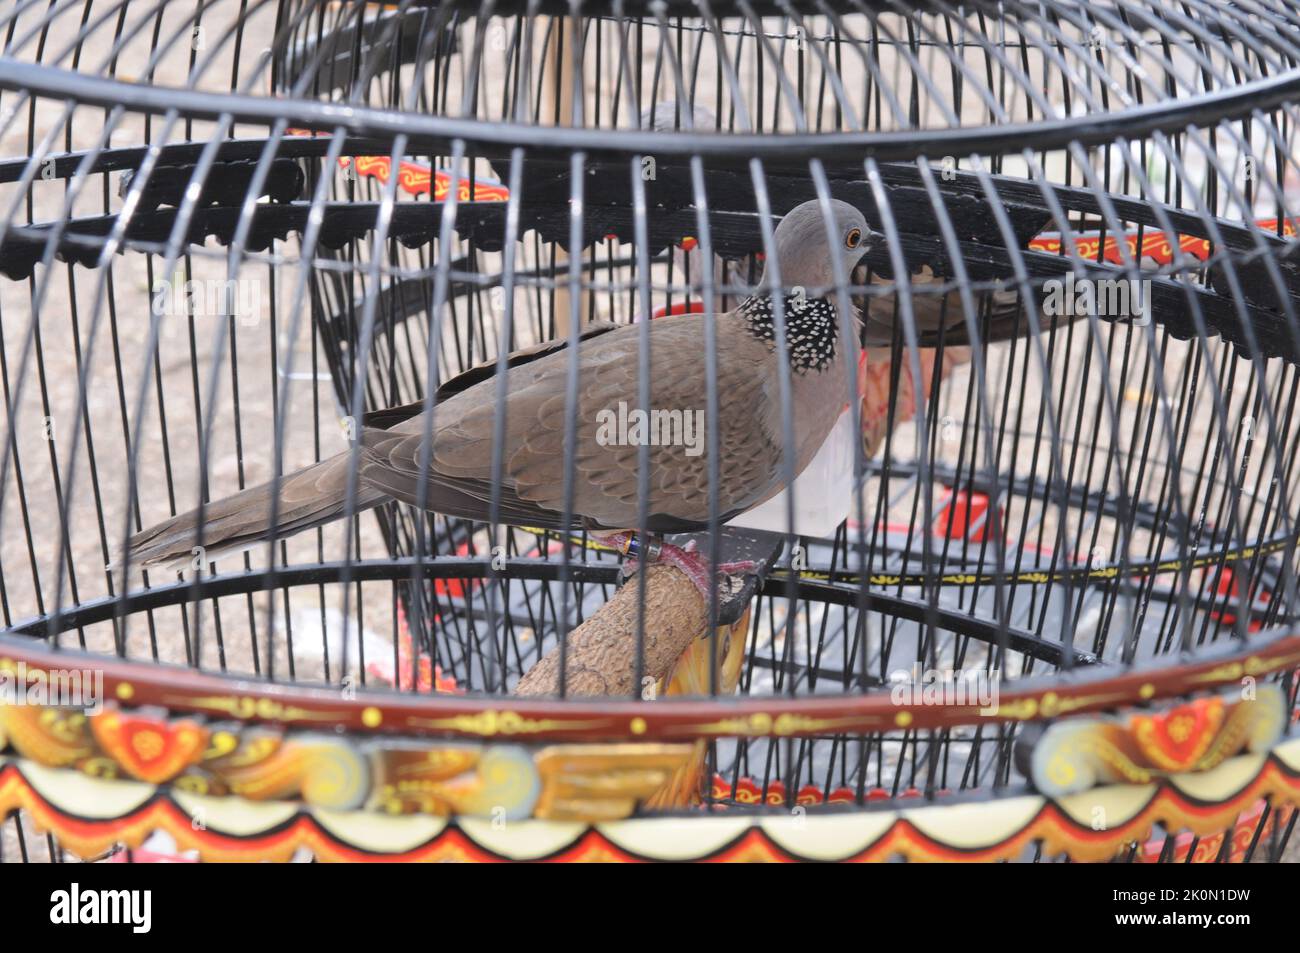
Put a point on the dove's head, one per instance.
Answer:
(803, 255)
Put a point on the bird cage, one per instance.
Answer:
(989, 556)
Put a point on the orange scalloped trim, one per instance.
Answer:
(1059, 833)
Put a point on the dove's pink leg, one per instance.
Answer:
(694, 566)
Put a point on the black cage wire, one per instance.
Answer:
(237, 231)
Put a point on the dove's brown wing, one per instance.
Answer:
(318, 494)
(391, 416)
(605, 484)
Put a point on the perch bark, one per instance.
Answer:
(601, 655)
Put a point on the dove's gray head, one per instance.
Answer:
(805, 255)
(801, 244)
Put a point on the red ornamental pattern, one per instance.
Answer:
(1155, 245)
(414, 178)
(750, 792)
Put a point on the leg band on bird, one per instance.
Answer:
(635, 549)
(653, 549)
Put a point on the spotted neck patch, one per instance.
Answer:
(810, 329)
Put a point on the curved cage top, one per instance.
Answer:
(899, 78)
(237, 234)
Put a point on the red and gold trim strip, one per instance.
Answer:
(181, 689)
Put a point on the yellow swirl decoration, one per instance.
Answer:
(414, 179)
(1020, 710)
(1253, 666)
(253, 750)
(1114, 757)
(1267, 722)
(335, 776)
(49, 736)
(781, 726)
(492, 722)
(790, 724)
(220, 744)
(98, 766)
(1052, 705)
(509, 782)
(1228, 672)
(1229, 740)
(245, 707)
(1075, 754)
(67, 727)
(193, 784)
(1062, 770)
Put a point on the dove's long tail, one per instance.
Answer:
(309, 497)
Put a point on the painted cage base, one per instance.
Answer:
(89, 816)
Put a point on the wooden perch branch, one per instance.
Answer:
(601, 656)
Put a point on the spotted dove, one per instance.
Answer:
(605, 493)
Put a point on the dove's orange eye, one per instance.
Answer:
(853, 238)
